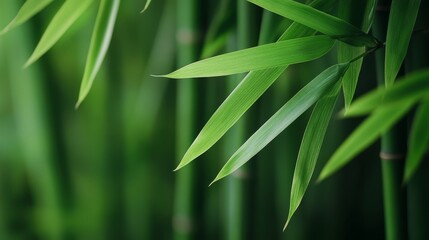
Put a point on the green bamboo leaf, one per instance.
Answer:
(376, 124)
(419, 140)
(403, 14)
(146, 5)
(28, 10)
(360, 14)
(296, 106)
(100, 41)
(258, 58)
(244, 95)
(62, 21)
(413, 85)
(318, 20)
(310, 147)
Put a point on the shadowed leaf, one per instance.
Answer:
(419, 140)
(403, 14)
(319, 21)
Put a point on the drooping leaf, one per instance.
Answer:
(287, 114)
(28, 10)
(62, 21)
(419, 140)
(361, 14)
(257, 58)
(413, 85)
(100, 42)
(376, 124)
(146, 5)
(244, 95)
(310, 147)
(403, 14)
(318, 20)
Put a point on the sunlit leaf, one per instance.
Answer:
(363, 136)
(65, 17)
(244, 95)
(419, 140)
(146, 5)
(287, 114)
(319, 21)
(413, 85)
(28, 10)
(403, 14)
(310, 147)
(100, 41)
(257, 58)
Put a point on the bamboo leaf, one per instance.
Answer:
(413, 85)
(100, 41)
(359, 14)
(376, 124)
(310, 147)
(146, 5)
(257, 58)
(62, 21)
(318, 20)
(28, 10)
(244, 95)
(419, 140)
(297, 105)
(403, 14)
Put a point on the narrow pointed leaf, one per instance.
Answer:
(146, 5)
(403, 14)
(28, 10)
(360, 13)
(100, 41)
(258, 58)
(318, 20)
(413, 85)
(310, 147)
(376, 124)
(296, 106)
(244, 95)
(419, 140)
(62, 21)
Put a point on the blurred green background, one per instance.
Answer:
(105, 171)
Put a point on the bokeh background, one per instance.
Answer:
(105, 170)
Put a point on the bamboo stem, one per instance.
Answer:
(393, 149)
(187, 34)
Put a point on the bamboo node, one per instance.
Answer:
(391, 156)
(241, 174)
(182, 224)
(186, 36)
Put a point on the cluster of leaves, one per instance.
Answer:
(69, 12)
(311, 35)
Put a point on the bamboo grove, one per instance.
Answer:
(303, 116)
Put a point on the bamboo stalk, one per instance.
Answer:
(393, 149)
(187, 34)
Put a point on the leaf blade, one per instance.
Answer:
(297, 105)
(318, 20)
(258, 58)
(28, 10)
(397, 41)
(377, 123)
(100, 42)
(419, 141)
(62, 21)
(310, 147)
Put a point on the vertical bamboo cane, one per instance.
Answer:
(393, 148)
(187, 31)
